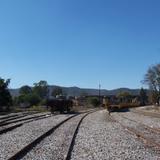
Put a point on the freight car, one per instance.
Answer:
(60, 105)
(122, 107)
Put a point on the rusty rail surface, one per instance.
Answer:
(140, 135)
(21, 153)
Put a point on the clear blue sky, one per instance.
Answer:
(79, 42)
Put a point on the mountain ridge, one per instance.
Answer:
(77, 91)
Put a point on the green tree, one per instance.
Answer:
(84, 94)
(57, 91)
(32, 99)
(25, 90)
(28, 99)
(124, 97)
(143, 96)
(5, 96)
(94, 101)
(41, 89)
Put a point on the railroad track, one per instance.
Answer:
(154, 130)
(21, 153)
(16, 115)
(147, 141)
(11, 119)
(7, 117)
(150, 114)
(70, 148)
(20, 122)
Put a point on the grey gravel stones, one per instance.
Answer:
(147, 120)
(56, 145)
(99, 138)
(12, 142)
(102, 139)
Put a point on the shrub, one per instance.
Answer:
(94, 101)
(27, 100)
(33, 99)
(38, 108)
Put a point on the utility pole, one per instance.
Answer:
(99, 92)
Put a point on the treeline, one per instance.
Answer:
(5, 97)
(28, 96)
(140, 99)
(32, 96)
(36, 95)
(39, 93)
(145, 97)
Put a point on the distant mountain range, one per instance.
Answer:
(75, 91)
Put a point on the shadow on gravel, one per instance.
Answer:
(67, 113)
(4, 113)
(74, 112)
(122, 110)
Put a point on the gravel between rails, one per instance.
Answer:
(99, 138)
(23, 117)
(155, 136)
(17, 114)
(12, 118)
(9, 115)
(12, 142)
(145, 113)
(56, 145)
(22, 120)
(149, 121)
(7, 118)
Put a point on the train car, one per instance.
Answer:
(122, 107)
(60, 105)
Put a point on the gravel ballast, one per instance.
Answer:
(17, 114)
(56, 145)
(15, 140)
(138, 127)
(99, 138)
(147, 120)
(25, 119)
